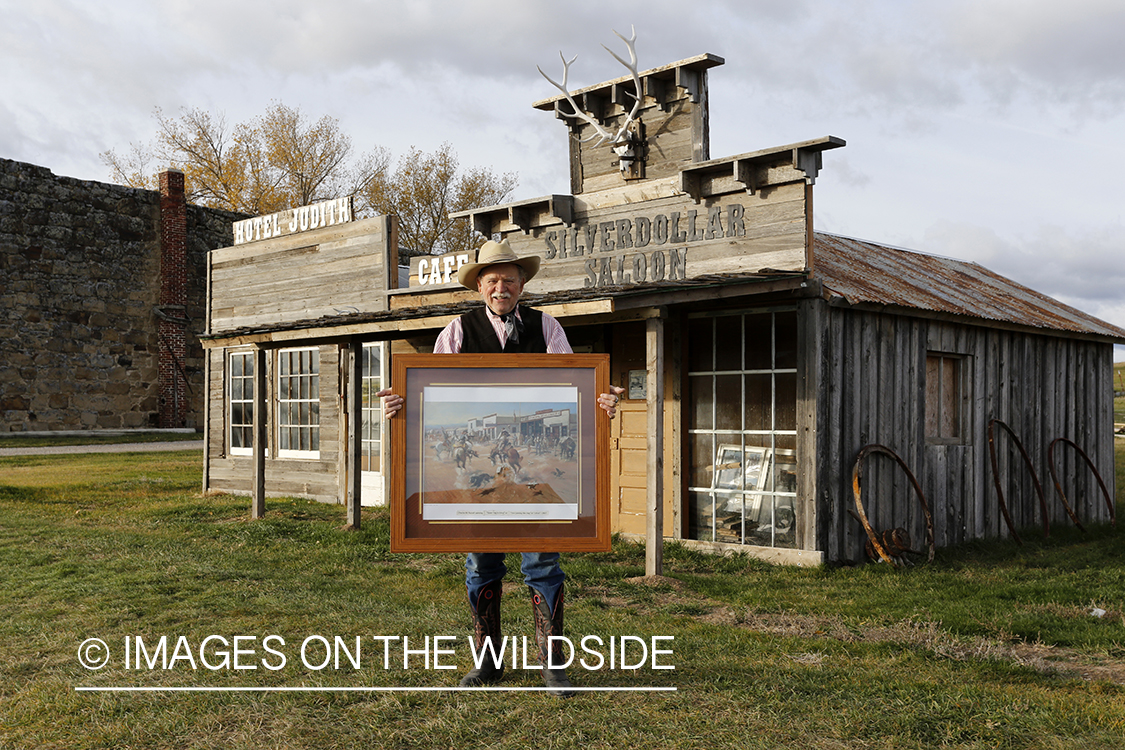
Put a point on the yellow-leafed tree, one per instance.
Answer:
(281, 159)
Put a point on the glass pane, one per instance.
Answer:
(729, 467)
(702, 410)
(236, 361)
(700, 345)
(728, 402)
(314, 362)
(786, 401)
(236, 414)
(785, 340)
(236, 389)
(759, 341)
(700, 513)
(784, 523)
(728, 518)
(728, 343)
(702, 461)
(314, 442)
(758, 399)
(784, 471)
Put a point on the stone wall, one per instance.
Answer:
(80, 264)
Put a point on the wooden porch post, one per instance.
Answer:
(258, 502)
(354, 396)
(654, 391)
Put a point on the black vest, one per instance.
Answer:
(480, 336)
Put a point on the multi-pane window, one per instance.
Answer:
(372, 407)
(742, 372)
(241, 402)
(298, 402)
(945, 398)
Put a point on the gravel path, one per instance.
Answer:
(182, 445)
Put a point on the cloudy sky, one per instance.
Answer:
(988, 130)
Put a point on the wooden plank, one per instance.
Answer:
(810, 325)
(302, 276)
(354, 400)
(674, 429)
(654, 393)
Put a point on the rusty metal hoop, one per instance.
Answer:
(857, 471)
(1034, 479)
(1059, 489)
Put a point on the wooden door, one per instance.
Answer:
(629, 438)
(629, 467)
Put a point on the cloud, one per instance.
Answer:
(1083, 267)
(1070, 53)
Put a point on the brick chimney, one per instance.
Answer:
(171, 313)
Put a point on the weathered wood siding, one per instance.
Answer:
(867, 373)
(303, 276)
(317, 478)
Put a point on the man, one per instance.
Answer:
(502, 325)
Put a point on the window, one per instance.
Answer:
(240, 415)
(372, 408)
(742, 375)
(945, 398)
(298, 403)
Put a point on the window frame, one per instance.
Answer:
(306, 383)
(960, 400)
(246, 386)
(765, 496)
(372, 376)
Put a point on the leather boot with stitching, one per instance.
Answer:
(486, 624)
(549, 622)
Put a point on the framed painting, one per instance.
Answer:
(500, 453)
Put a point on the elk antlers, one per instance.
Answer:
(621, 137)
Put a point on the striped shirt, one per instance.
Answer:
(453, 335)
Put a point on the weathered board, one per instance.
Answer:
(324, 272)
(667, 238)
(866, 371)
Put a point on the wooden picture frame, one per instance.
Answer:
(500, 453)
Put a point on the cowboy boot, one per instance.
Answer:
(547, 624)
(486, 625)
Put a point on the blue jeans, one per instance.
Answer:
(541, 571)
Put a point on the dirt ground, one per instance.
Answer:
(538, 479)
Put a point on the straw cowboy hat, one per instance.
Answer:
(490, 254)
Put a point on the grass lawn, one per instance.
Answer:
(106, 437)
(992, 646)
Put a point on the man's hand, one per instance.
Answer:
(392, 402)
(607, 401)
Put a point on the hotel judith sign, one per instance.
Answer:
(294, 220)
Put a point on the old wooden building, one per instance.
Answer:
(758, 355)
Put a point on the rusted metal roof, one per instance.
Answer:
(866, 272)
